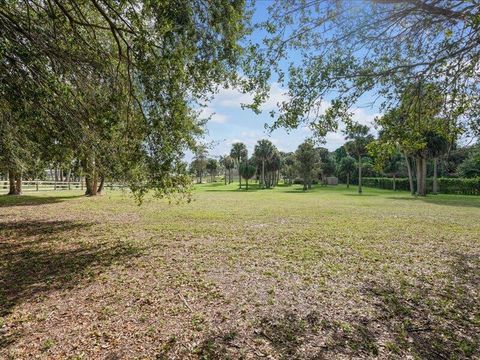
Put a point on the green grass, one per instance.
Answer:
(282, 273)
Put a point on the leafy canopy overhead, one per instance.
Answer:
(149, 63)
(339, 50)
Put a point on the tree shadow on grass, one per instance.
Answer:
(433, 321)
(37, 257)
(31, 200)
(316, 336)
(451, 200)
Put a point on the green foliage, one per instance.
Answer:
(459, 186)
(358, 138)
(307, 160)
(380, 47)
(470, 168)
(347, 165)
(248, 169)
(239, 152)
(118, 83)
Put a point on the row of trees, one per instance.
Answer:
(359, 156)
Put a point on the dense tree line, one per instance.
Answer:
(357, 158)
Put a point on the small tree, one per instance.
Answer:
(212, 167)
(327, 167)
(347, 166)
(200, 161)
(307, 159)
(263, 151)
(358, 139)
(239, 153)
(248, 170)
(288, 168)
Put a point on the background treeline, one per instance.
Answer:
(458, 170)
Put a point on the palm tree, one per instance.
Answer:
(359, 138)
(212, 166)
(263, 151)
(248, 169)
(239, 152)
(437, 145)
(347, 167)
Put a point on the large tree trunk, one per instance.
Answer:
(359, 174)
(18, 183)
(421, 176)
(12, 180)
(11, 183)
(225, 176)
(410, 175)
(394, 186)
(348, 180)
(15, 182)
(305, 180)
(91, 177)
(100, 187)
(435, 183)
(246, 183)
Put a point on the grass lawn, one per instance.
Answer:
(276, 274)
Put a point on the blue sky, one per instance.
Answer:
(230, 124)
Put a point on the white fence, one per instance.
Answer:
(37, 185)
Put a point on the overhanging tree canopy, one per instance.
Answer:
(339, 50)
(157, 59)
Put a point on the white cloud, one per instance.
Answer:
(233, 98)
(214, 116)
(363, 117)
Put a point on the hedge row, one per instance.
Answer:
(445, 185)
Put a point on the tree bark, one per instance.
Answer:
(100, 187)
(90, 177)
(263, 174)
(410, 175)
(424, 176)
(348, 180)
(421, 176)
(394, 186)
(239, 176)
(435, 183)
(12, 190)
(18, 183)
(359, 174)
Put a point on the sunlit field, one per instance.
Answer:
(278, 274)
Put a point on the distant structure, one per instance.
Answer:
(332, 180)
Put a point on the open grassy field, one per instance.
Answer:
(277, 274)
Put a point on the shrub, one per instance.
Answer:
(446, 185)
